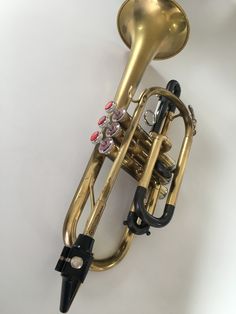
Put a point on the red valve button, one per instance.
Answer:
(96, 137)
(103, 121)
(110, 106)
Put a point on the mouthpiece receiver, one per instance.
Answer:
(74, 264)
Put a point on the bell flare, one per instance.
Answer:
(163, 22)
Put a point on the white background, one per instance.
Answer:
(60, 62)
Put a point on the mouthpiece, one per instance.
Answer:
(74, 264)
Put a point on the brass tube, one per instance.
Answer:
(119, 254)
(179, 172)
(135, 166)
(140, 136)
(140, 153)
(153, 198)
(142, 51)
(92, 171)
(186, 145)
(152, 158)
(80, 198)
(103, 264)
(125, 243)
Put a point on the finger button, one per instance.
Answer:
(110, 107)
(103, 121)
(96, 137)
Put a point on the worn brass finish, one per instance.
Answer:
(153, 29)
(81, 196)
(161, 21)
(152, 158)
(124, 245)
(136, 166)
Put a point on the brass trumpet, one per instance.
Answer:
(153, 29)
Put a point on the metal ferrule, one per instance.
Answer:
(166, 146)
(167, 161)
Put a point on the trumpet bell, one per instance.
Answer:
(159, 21)
(152, 29)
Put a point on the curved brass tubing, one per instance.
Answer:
(93, 169)
(111, 261)
(125, 243)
